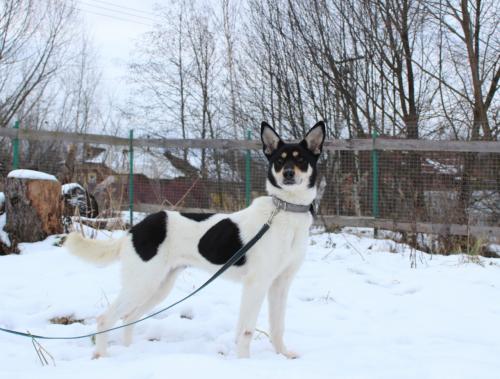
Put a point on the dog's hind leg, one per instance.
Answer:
(251, 302)
(277, 297)
(162, 292)
(122, 305)
(137, 289)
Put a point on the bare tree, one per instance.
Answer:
(32, 47)
(229, 14)
(76, 90)
(467, 65)
(159, 75)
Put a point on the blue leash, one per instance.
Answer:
(235, 258)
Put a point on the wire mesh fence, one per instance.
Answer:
(440, 187)
(400, 183)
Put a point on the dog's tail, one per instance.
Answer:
(100, 252)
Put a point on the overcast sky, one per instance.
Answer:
(114, 26)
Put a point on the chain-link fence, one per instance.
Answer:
(423, 187)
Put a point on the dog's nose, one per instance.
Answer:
(288, 173)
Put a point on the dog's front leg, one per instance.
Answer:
(277, 297)
(251, 302)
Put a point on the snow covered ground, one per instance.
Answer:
(357, 310)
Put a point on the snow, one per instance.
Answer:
(67, 188)
(154, 165)
(4, 237)
(31, 174)
(136, 216)
(149, 162)
(356, 310)
(444, 168)
(495, 248)
(2, 198)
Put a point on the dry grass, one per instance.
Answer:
(66, 320)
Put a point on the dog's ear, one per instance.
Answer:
(271, 141)
(314, 138)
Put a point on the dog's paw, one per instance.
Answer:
(243, 354)
(290, 354)
(98, 355)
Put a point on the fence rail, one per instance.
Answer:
(412, 227)
(379, 143)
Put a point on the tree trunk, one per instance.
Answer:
(33, 207)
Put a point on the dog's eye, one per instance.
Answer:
(300, 159)
(280, 161)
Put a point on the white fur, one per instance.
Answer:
(94, 251)
(270, 267)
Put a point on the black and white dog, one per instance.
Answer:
(157, 249)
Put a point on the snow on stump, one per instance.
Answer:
(33, 205)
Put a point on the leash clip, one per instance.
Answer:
(274, 213)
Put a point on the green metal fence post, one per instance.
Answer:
(375, 181)
(15, 149)
(131, 178)
(248, 184)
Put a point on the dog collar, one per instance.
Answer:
(290, 207)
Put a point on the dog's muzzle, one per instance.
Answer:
(288, 176)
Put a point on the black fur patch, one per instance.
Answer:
(220, 242)
(197, 216)
(149, 234)
(314, 174)
(312, 211)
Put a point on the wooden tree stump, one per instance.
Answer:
(33, 204)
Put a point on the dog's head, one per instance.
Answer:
(292, 166)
